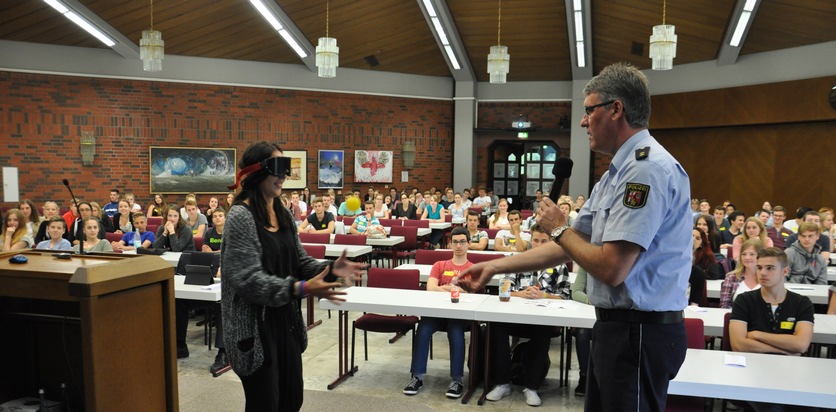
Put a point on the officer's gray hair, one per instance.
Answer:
(624, 82)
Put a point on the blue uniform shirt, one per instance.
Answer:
(644, 198)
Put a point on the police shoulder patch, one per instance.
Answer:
(635, 195)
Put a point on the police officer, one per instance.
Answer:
(633, 237)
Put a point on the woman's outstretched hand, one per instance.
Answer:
(319, 288)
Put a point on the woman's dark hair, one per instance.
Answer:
(250, 190)
(713, 236)
(35, 216)
(703, 256)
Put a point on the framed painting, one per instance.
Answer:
(298, 178)
(373, 166)
(330, 169)
(177, 170)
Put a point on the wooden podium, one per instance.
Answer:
(103, 324)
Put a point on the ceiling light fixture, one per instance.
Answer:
(152, 47)
(579, 46)
(663, 43)
(742, 22)
(442, 36)
(499, 60)
(274, 21)
(327, 52)
(81, 22)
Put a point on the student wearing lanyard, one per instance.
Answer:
(633, 237)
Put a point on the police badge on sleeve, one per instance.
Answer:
(635, 195)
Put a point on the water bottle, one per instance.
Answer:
(137, 239)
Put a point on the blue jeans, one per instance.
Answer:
(421, 345)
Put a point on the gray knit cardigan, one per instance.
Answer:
(247, 289)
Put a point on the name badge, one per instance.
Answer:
(449, 273)
(787, 325)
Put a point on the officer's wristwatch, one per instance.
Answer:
(558, 232)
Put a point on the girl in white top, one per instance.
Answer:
(744, 277)
(499, 220)
(381, 211)
(31, 217)
(457, 209)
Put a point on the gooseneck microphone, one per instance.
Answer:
(562, 171)
(80, 241)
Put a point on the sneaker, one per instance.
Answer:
(531, 397)
(581, 389)
(221, 364)
(413, 387)
(182, 352)
(498, 392)
(455, 389)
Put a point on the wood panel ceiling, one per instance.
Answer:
(396, 35)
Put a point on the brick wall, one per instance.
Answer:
(42, 118)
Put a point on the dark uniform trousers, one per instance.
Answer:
(631, 364)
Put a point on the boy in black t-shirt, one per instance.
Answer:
(213, 237)
(318, 222)
(771, 319)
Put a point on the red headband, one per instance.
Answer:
(243, 173)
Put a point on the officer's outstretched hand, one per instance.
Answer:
(474, 278)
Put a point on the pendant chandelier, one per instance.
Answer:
(498, 59)
(663, 43)
(327, 52)
(152, 47)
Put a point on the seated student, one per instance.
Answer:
(404, 210)
(753, 228)
(479, 239)
(135, 207)
(499, 220)
(513, 239)
(189, 196)
(483, 200)
(548, 284)
(77, 230)
(146, 238)
(50, 211)
(158, 207)
(777, 232)
(538, 197)
(122, 219)
(583, 336)
(720, 220)
(566, 208)
(328, 204)
(56, 227)
(319, 221)
(72, 215)
(744, 276)
(345, 211)
(174, 235)
(821, 239)
(457, 208)
(213, 238)
(110, 208)
(213, 204)
(443, 277)
(381, 211)
(31, 218)
(435, 213)
(706, 224)
(736, 221)
(297, 207)
(363, 222)
(15, 235)
(195, 221)
(793, 224)
(92, 241)
(806, 263)
(703, 257)
(785, 329)
(104, 220)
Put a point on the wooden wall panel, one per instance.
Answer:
(787, 164)
(785, 102)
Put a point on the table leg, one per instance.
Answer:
(345, 371)
(472, 378)
(487, 369)
(311, 322)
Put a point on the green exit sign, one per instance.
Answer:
(522, 135)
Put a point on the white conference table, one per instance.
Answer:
(831, 273)
(335, 251)
(817, 293)
(765, 378)
(693, 380)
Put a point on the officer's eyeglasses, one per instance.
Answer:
(590, 109)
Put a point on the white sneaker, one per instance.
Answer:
(531, 397)
(498, 392)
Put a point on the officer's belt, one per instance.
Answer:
(638, 316)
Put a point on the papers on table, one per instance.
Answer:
(694, 308)
(554, 303)
(735, 360)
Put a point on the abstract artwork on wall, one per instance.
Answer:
(372, 166)
(191, 169)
